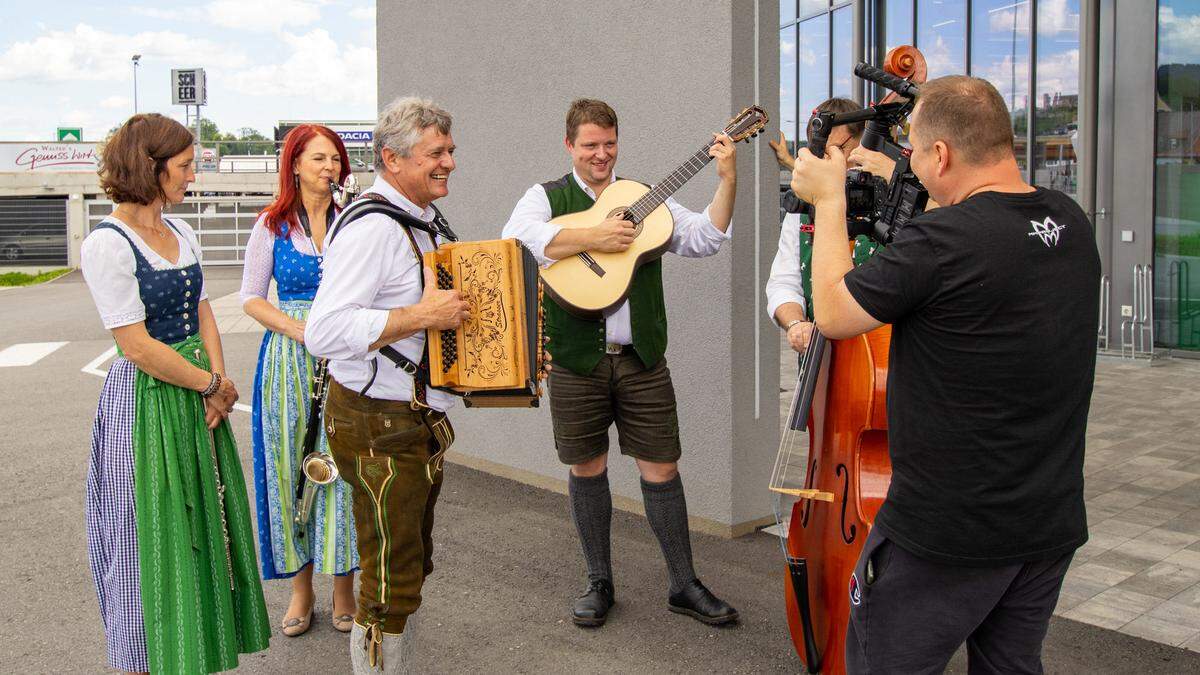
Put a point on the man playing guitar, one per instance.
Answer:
(612, 369)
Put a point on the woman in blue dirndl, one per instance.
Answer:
(286, 246)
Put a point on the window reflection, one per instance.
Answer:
(1056, 115)
(787, 11)
(941, 36)
(898, 23)
(787, 82)
(1000, 55)
(813, 56)
(843, 52)
(807, 7)
(1177, 177)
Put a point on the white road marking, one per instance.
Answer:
(27, 354)
(93, 369)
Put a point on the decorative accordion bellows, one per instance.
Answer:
(495, 358)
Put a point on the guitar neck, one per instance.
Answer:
(639, 210)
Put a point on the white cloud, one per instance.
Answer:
(264, 15)
(117, 102)
(1058, 74)
(363, 13)
(89, 54)
(317, 67)
(1179, 37)
(1054, 17)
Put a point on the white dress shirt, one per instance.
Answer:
(109, 268)
(369, 269)
(784, 285)
(695, 236)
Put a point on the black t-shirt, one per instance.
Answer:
(994, 306)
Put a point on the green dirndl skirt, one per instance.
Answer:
(201, 597)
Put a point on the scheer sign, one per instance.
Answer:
(188, 87)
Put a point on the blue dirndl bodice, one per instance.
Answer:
(171, 297)
(296, 275)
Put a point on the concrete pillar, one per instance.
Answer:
(77, 226)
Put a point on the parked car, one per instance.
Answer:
(34, 243)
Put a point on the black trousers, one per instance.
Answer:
(912, 614)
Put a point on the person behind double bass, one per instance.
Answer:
(287, 246)
(621, 378)
(993, 303)
(387, 431)
(789, 288)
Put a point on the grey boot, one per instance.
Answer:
(395, 655)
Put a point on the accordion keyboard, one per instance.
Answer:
(445, 282)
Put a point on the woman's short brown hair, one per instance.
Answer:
(134, 157)
(589, 111)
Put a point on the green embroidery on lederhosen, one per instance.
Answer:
(864, 248)
(375, 475)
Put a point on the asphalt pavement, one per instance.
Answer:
(507, 560)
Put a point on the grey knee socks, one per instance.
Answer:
(666, 509)
(591, 509)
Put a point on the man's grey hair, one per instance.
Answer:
(401, 123)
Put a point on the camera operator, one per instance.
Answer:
(993, 304)
(789, 289)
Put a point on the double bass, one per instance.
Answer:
(840, 399)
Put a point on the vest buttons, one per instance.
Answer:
(187, 326)
(185, 315)
(183, 273)
(187, 282)
(187, 294)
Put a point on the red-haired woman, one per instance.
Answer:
(287, 245)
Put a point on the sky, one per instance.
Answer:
(67, 63)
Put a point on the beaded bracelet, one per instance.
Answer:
(212, 387)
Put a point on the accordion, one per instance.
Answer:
(495, 358)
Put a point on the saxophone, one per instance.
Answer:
(318, 467)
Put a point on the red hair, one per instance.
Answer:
(286, 205)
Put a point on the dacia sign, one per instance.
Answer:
(362, 136)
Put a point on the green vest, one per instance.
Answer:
(578, 344)
(864, 248)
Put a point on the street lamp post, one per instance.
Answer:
(135, 59)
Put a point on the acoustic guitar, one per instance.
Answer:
(586, 284)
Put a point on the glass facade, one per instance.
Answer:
(815, 60)
(1000, 54)
(942, 36)
(992, 39)
(1056, 115)
(1177, 176)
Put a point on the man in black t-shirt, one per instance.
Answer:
(993, 304)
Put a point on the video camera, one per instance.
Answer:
(876, 207)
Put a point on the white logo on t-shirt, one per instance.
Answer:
(1047, 230)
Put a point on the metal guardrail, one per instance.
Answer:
(222, 224)
(261, 156)
(1140, 339)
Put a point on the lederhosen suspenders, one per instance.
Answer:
(369, 203)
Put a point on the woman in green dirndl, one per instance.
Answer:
(168, 519)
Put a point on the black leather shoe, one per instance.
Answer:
(591, 608)
(699, 603)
